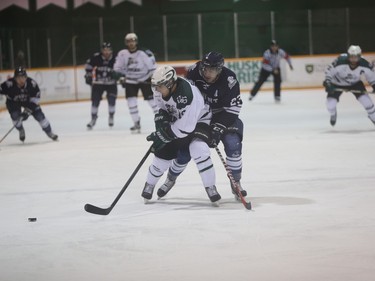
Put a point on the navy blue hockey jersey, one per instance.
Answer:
(223, 95)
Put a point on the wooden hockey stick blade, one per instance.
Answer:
(100, 211)
(242, 198)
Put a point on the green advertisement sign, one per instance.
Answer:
(246, 71)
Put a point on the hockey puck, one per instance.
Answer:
(32, 219)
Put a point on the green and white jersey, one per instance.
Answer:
(186, 106)
(339, 72)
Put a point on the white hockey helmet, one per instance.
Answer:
(131, 36)
(164, 75)
(354, 50)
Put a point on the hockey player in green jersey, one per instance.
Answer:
(344, 74)
(181, 121)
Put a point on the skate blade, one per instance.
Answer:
(215, 204)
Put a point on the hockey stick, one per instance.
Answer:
(353, 91)
(14, 126)
(105, 211)
(230, 176)
(7, 133)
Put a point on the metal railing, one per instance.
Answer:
(189, 36)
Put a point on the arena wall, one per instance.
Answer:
(68, 84)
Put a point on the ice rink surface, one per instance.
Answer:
(312, 188)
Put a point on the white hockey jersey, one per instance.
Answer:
(186, 106)
(136, 66)
(339, 72)
(271, 61)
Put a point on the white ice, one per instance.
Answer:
(311, 186)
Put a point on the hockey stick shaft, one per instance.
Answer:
(353, 91)
(14, 126)
(233, 182)
(7, 133)
(105, 211)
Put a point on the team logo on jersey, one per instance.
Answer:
(309, 68)
(181, 101)
(231, 82)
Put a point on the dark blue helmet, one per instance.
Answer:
(213, 59)
(20, 71)
(107, 45)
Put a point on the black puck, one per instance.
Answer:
(32, 219)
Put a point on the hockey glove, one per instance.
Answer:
(216, 133)
(25, 114)
(162, 119)
(116, 75)
(203, 131)
(161, 137)
(329, 87)
(88, 78)
(122, 81)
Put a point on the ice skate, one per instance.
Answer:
(147, 192)
(22, 134)
(111, 121)
(277, 99)
(213, 194)
(136, 129)
(234, 191)
(333, 119)
(92, 123)
(52, 136)
(168, 184)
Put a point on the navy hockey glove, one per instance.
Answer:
(162, 119)
(216, 133)
(161, 137)
(25, 114)
(329, 87)
(88, 78)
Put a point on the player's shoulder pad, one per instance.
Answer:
(184, 93)
(229, 76)
(147, 51)
(365, 63)
(9, 82)
(193, 66)
(192, 71)
(32, 82)
(341, 59)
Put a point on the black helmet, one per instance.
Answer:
(213, 59)
(20, 71)
(107, 45)
(274, 43)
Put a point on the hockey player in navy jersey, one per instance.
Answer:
(136, 67)
(22, 92)
(344, 74)
(221, 89)
(99, 68)
(182, 113)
